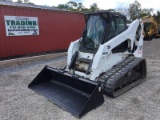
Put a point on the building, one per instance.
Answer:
(29, 29)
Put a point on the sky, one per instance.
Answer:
(102, 4)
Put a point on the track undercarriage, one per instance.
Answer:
(123, 76)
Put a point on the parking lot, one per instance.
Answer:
(17, 102)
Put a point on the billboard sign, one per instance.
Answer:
(20, 25)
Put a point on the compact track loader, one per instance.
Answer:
(106, 60)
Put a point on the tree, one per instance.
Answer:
(157, 17)
(94, 7)
(78, 7)
(63, 6)
(134, 10)
(146, 12)
(19, 1)
(72, 4)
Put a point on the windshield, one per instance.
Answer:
(94, 32)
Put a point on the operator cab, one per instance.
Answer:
(100, 28)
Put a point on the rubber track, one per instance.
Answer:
(110, 78)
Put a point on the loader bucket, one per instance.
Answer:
(76, 95)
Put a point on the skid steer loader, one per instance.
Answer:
(150, 28)
(106, 60)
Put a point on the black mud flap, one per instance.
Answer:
(76, 95)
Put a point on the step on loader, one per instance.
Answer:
(107, 59)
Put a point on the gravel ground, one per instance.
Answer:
(17, 102)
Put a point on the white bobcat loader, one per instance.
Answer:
(107, 59)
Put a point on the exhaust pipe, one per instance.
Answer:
(76, 95)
